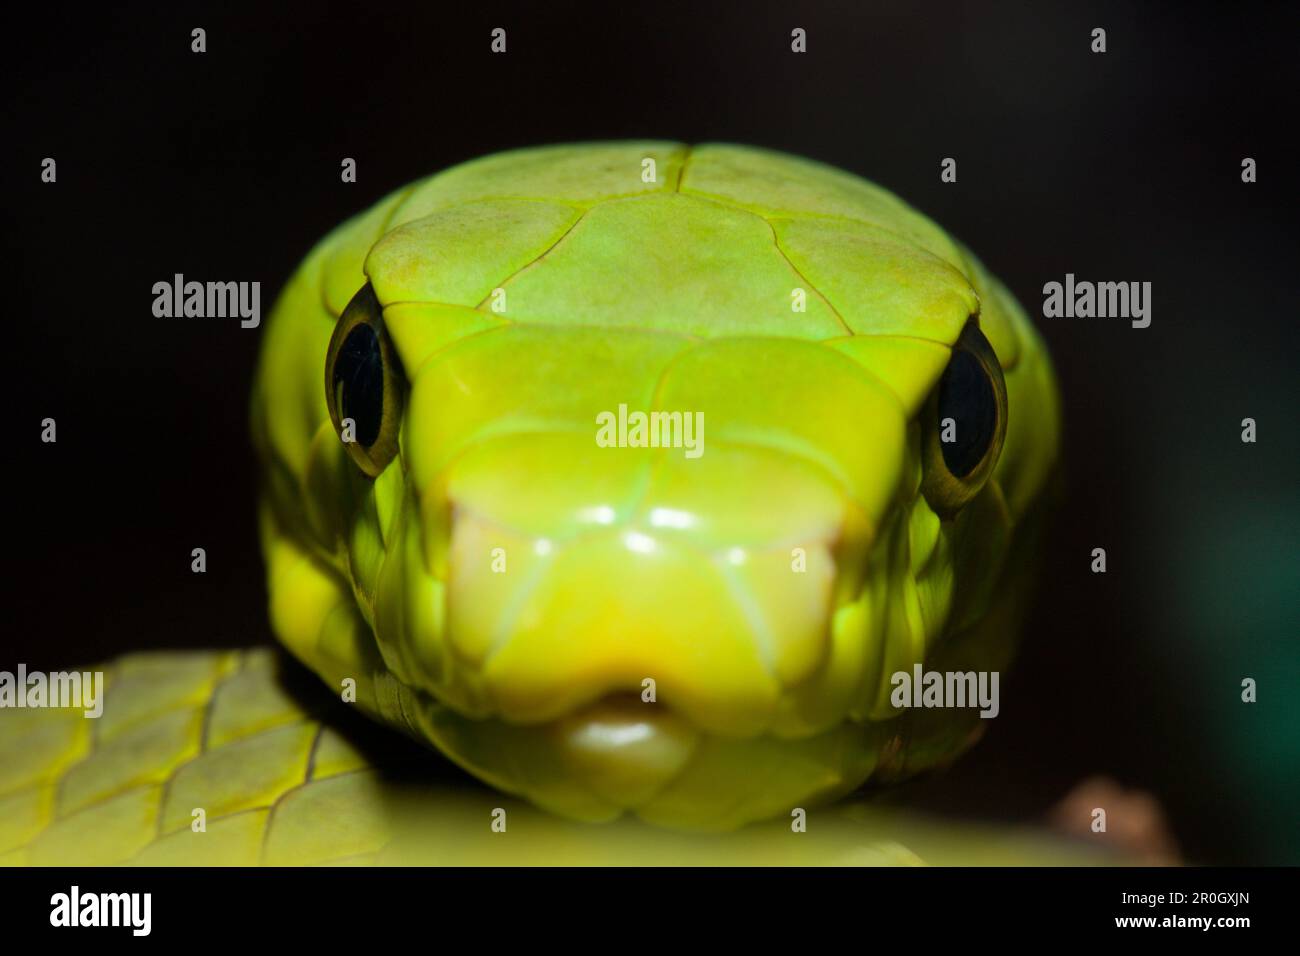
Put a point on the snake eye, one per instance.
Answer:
(965, 423)
(364, 384)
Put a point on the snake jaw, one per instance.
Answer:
(591, 743)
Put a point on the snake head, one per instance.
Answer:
(597, 515)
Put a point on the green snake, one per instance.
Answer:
(690, 637)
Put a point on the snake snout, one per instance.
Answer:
(714, 622)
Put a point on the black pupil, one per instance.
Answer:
(966, 396)
(359, 383)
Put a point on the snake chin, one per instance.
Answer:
(625, 756)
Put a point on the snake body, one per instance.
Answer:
(698, 641)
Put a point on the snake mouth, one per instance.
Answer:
(630, 669)
(725, 620)
(623, 755)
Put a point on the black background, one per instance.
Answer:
(1121, 166)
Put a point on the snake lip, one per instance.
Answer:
(626, 749)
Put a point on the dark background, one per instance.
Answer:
(1122, 166)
